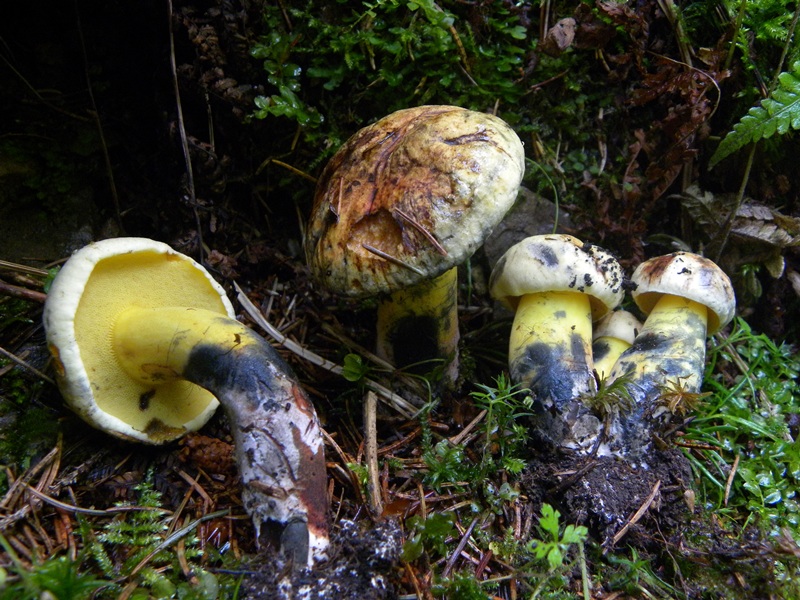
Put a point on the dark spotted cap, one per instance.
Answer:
(558, 263)
(690, 276)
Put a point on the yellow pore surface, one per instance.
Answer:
(145, 280)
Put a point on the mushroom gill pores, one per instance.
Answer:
(557, 286)
(145, 343)
(402, 203)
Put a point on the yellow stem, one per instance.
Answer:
(670, 349)
(419, 326)
(153, 345)
(605, 352)
(550, 345)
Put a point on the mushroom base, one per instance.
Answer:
(550, 353)
(663, 369)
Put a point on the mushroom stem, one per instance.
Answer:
(549, 348)
(550, 353)
(613, 334)
(278, 439)
(418, 326)
(605, 351)
(666, 358)
(669, 351)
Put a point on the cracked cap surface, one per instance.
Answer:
(411, 196)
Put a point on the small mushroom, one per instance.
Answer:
(686, 297)
(400, 205)
(612, 335)
(145, 343)
(557, 286)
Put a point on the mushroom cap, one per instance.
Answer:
(95, 285)
(558, 263)
(411, 196)
(688, 276)
(618, 324)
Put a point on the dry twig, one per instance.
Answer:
(398, 403)
(638, 514)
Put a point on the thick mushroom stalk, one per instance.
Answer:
(687, 297)
(402, 203)
(557, 286)
(278, 440)
(145, 344)
(549, 348)
(612, 335)
(418, 326)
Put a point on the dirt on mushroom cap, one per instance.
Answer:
(689, 276)
(558, 263)
(411, 196)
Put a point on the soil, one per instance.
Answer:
(605, 493)
(135, 183)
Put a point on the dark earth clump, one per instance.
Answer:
(603, 493)
(363, 564)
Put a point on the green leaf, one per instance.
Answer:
(549, 520)
(777, 114)
(354, 368)
(554, 557)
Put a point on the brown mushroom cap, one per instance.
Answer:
(411, 196)
(558, 263)
(688, 276)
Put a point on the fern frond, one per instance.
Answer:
(778, 113)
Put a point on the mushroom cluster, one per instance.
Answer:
(558, 287)
(145, 347)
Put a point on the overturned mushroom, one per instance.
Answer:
(557, 286)
(145, 343)
(686, 298)
(399, 206)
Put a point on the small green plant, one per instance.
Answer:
(461, 586)
(448, 464)
(544, 564)
(635, 576)
(55, 577)
(428, 535)
(139, 539)
(354, 368)
(504, 435)
(750, 419)
(555, 543)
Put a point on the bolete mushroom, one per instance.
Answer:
(557, 286)
(611, 336)
(401, 204)
(145, 343)
(685, 297)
